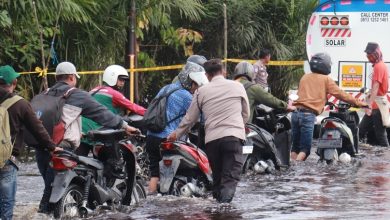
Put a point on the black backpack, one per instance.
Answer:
(48, 109)
(155, 118)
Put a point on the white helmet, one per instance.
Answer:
(111, 74)
(199, 77)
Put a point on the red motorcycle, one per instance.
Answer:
(184, 170)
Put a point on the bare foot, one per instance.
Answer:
(301, 156)
(153, 184)
(293, 155)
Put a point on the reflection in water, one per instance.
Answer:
(308, 190)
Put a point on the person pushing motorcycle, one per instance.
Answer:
(312, 91)
(244, 73)
(109, 95)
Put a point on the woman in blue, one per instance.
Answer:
(190, 78)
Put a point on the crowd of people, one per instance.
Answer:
(200, 93)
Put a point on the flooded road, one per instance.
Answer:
(308, 190)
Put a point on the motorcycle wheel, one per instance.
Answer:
(176, 186)
(69, 204)
(135, 195)
(138, 193)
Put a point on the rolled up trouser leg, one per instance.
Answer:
(232, 162)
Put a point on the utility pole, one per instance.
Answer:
(225, 30)
(131, 53)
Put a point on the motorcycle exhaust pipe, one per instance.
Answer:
(84, 211)
(190, 190)
(260, 167)
(264, 167)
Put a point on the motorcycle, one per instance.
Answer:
(338, 133)
(139, 141)
(184, 170)
(270, 137)
(83, 184)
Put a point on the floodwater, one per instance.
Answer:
(308, 190)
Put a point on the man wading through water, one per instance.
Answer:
(312, 91)
(224, 105)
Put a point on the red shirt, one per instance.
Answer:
(381, 76)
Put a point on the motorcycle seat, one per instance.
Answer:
(91, 162)
(135, 118)
(108, 135)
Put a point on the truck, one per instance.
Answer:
(342, 28)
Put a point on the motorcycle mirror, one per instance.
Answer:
(293, 97)
(362, 90)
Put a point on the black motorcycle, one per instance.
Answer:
(339, 133)
(270, 137)
(109, 180)
(139, 141)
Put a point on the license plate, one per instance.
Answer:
(247, 149)
(330, 143)
(167, 173)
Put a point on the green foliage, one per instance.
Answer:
(93, 34)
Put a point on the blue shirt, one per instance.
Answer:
(177, 105)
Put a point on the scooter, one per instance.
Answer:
(338, 133)
(184, 170)
(271, 140)
(83, 184)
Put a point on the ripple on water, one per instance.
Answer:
(307, 190)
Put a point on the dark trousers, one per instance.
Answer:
(374, 123)
(226, 160)
(43, 158)
(153, 150)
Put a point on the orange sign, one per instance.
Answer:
(352, 76)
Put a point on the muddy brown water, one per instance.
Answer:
(308, 190)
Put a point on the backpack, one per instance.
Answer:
(155, 118)
(48, 109)
(6, 144)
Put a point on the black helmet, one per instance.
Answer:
(244, 69)
(321, 63)
(198, 59)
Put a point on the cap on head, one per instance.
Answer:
(371, 47)
(198, 59)
(8, 74)
(192, 72)
(66, 68)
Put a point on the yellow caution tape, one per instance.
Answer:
(271, 63)
(43, 72)
(172, 67)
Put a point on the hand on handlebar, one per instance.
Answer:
(172, 137)
(132, 130)
(361, 104)
(58, 149)
(291, 108)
